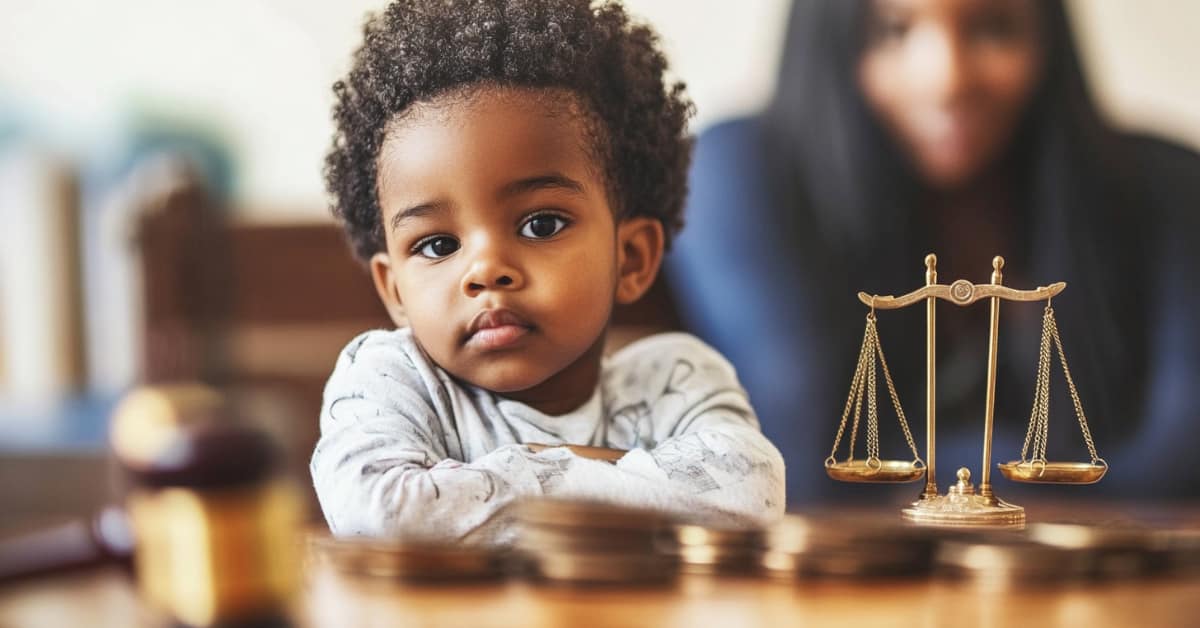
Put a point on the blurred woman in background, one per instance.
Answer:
(964, 128)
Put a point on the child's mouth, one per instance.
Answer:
(496, 329)
(497, 337)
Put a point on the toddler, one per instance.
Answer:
(510, 170)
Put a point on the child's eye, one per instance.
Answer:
(543, 226)
(436, 247)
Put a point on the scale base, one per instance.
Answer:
(962, 507)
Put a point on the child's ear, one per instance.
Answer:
(385, 286)
(639, 254)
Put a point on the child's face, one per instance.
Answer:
(502, 248)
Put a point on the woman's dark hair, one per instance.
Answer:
(417, 50)
(856, 195)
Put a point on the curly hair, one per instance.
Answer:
(417, 50)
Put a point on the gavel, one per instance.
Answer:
(208, 525)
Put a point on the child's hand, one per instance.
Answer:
(606, 454)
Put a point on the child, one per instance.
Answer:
(510, 170)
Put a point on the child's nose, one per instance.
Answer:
(491, 273)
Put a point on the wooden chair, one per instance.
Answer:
(250, 307)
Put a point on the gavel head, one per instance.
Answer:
(189, 435)
(214, 523)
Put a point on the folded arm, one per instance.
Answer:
(386, 463)
(378, 478)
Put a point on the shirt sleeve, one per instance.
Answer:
(382, 467)
(704, 456)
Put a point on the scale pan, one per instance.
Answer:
(1054, 472)
(881, 471)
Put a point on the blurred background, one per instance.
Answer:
(162, 211)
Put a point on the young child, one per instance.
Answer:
(510, 170)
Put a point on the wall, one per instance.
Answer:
(260, 71)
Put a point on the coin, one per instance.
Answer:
(407, 560)
(586, 568)
(1114, 551)
(1012, 562)
(705, 550)
(1182, 550)
(581, 542)
(809, 547)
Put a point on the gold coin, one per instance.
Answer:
(1013, 562)
(798, 534)
(694, 535)
(407, 561)
(1181, 547)
(603, 568)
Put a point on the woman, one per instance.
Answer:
(965, 128)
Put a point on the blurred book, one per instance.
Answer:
(112, 283)
(41, 332)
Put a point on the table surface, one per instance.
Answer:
(106, 597)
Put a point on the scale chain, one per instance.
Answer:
(1043, 418)
(1040, 396)
(1043, 397)
(1087, 433)
(1039, 419)
(872, 406)
(887, 375)
(855, 384)
(865, 383)
(858, 392)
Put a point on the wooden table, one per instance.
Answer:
(106, 597)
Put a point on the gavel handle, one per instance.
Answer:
(606, 454)
(103, 539)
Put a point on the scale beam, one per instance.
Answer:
(961, 292)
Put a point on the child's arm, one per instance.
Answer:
(389, 476)
(385, 464)
(730, 473)
(693, 433)
(694, 446)
(388, 465)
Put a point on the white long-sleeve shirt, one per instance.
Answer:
(408, 451)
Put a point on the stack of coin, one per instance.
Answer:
(1111, 551)
(407, 561)
(716, 551)
(1182, 549)
(1013, 561)
(592, 543)
(816, 547)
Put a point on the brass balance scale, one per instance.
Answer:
(962, 504)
